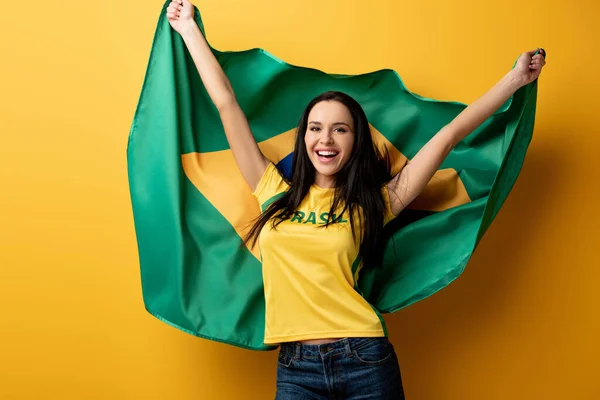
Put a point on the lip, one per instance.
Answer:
(326, 160)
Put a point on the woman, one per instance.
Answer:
(318, 229)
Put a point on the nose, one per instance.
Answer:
(326, 138)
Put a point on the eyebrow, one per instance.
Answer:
(335, 123)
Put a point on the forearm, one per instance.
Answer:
(215, 81)
(413, 178)
(480, 110)
(250, 160)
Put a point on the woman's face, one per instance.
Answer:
(329, 139)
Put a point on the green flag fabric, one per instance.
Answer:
(191, 205)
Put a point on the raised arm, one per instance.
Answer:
(250, 160)
(412, 179)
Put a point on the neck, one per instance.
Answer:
(325, 182)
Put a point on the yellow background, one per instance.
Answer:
(521, 323)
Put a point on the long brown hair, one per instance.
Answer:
(358, 184)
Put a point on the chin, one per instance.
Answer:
(328, 172)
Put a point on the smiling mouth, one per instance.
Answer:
(326, 154)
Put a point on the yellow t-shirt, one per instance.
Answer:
(310, 272)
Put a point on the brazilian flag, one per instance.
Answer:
(191, 205)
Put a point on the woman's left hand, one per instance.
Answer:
(529, 66)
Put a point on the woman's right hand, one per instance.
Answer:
(250, 160)
(180, 14)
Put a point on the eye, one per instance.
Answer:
(315, 128)
(340, 130)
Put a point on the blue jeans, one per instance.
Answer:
(349, 369)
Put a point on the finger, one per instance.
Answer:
(531, 52)
(540, 61)
(540, 53)
(173, 11)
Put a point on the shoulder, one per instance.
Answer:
(271, 184)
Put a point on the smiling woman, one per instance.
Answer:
(320, 231)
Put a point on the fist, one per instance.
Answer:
(529, 66)
(179, 14)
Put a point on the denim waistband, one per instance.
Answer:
(343, 346)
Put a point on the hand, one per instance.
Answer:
(529, 67)
(180, 14)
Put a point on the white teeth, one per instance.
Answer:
(326, 153)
